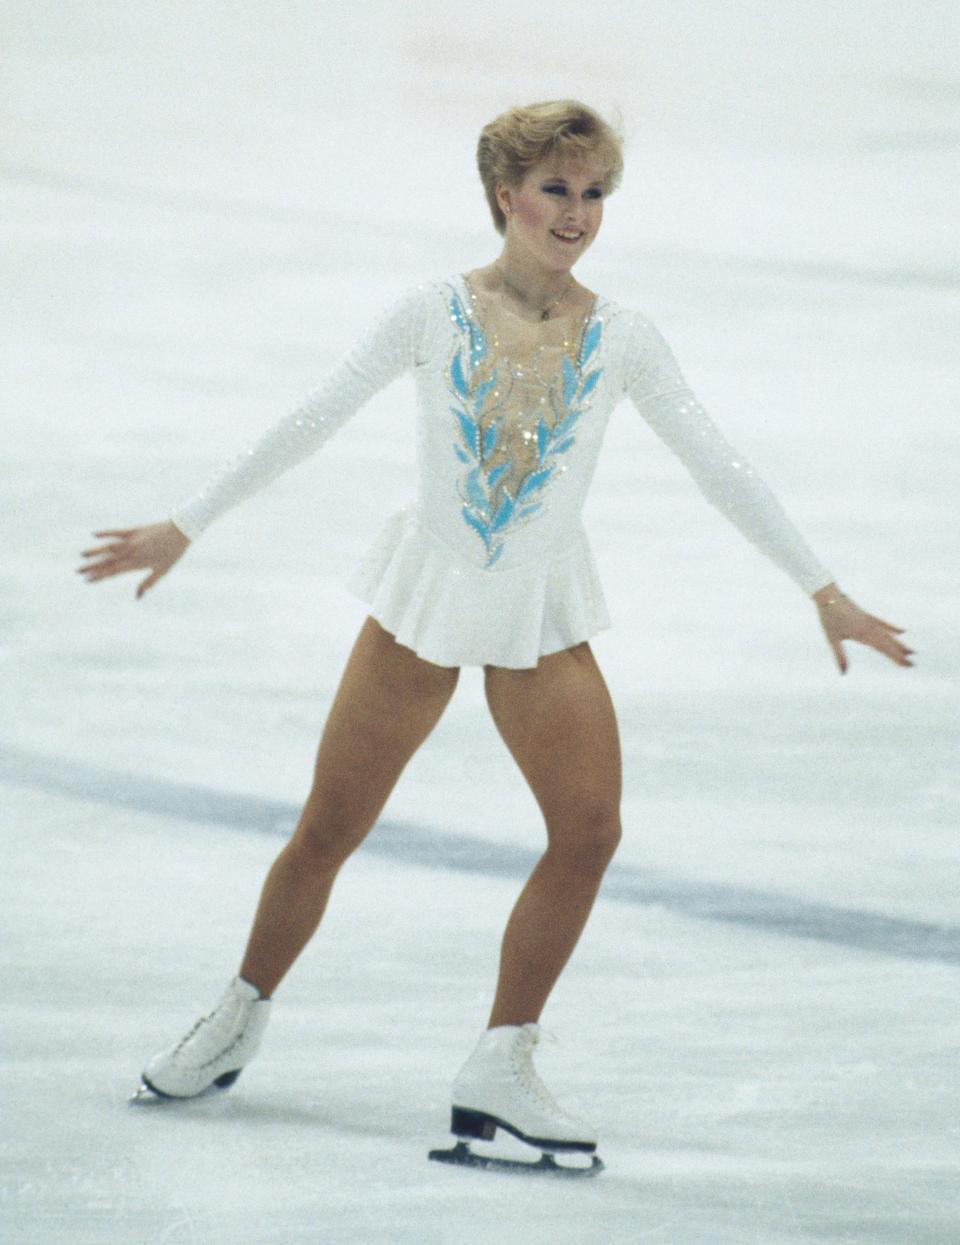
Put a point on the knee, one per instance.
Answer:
(322, 841)
(588, 838)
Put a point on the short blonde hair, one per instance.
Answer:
(521, 137)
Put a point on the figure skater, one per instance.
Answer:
(517, 368)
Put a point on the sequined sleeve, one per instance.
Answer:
(389, 348)
(662, 396)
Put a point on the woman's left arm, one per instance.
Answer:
(659, 391)
(842, 619)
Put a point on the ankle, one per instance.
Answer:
(252, 978)
(514, 1018)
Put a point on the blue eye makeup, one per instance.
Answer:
(557, 188)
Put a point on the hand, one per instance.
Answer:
(157, 546)
(842, 619)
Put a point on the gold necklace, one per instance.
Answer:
(545, 312)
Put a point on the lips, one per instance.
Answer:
(567, 235)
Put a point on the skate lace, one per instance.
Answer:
(223, 1016)
(526, 1074)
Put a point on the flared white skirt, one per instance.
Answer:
(452, 612)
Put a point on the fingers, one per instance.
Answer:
(106, 569)
(110, 559)
(147, 583)
(107, 556)
(878, 634)
(854, 624)
(101, 550)
(900, 654)
(889, 626)
(888, 646)
(151, 548)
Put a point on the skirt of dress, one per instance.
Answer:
(454, 613)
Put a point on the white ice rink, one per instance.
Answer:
(203, 204)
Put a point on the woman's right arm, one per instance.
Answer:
(388, 349)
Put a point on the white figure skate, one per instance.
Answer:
(498, 1088)
(213, 1054)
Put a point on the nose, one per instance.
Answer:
(574, 216)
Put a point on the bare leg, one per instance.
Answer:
(559, 724)
(388, 702)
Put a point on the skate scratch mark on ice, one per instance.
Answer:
(764, 911)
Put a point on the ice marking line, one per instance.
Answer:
(765, 911)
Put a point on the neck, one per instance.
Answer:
(529, 280)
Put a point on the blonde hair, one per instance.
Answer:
(521, 137)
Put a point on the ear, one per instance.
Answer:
(504, 197)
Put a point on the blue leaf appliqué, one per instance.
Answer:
(565, 426)
(456, 311)
(569, 381)
(475, 493)
(590, 383)
(477, 524)
(543, 440)
(480, 393)
(469, 430)
(478, 345)
(590, 340)
(533, 482)
(456, 375)
(502, 516)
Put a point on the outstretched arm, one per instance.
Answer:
(726, 479)
(659, 391)
(388, 348)
(842, 619)
(154, 548)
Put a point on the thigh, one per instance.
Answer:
(559, 724)
(387, 703)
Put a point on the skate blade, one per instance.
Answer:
(461, 1155)
(143, 1094)
(146, 1095)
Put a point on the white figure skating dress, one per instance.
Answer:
(490, 564)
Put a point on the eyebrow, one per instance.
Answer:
(555, 177)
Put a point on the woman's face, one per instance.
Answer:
(556, 210)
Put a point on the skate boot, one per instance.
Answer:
(498, 1088)
(212, 1055)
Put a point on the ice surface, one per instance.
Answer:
(202, 206)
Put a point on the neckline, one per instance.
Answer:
(584, 321)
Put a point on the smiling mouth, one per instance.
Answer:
(567, 235)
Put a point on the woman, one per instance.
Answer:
(517, 368)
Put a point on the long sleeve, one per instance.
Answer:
(388, 349)
(661, 395)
